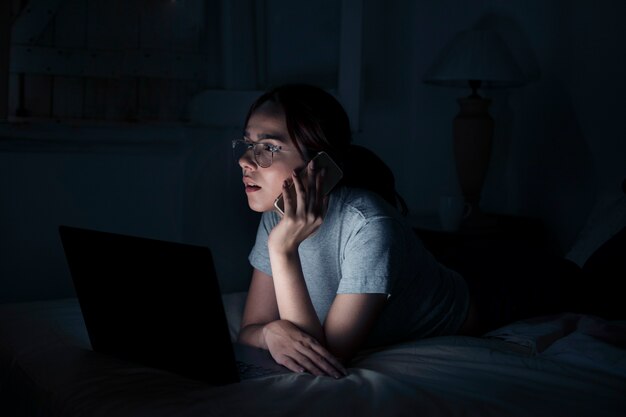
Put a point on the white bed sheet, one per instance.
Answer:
(566, 365)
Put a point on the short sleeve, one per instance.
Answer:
(371, 258)
(259, 256)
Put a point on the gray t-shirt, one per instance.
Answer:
(365, 246)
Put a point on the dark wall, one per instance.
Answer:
(559, 146)
(558, 151)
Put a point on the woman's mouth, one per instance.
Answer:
(250, 186)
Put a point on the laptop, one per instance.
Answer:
(157, 303)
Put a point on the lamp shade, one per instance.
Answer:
(479, 55)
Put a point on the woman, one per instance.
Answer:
(335, 273)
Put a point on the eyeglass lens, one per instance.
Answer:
(262, 156)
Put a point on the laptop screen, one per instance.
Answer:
(151, 301)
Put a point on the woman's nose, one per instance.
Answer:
(247, 160)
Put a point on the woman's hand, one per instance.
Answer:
(299, 352)
(304, 208)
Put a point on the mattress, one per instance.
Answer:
(563, 365)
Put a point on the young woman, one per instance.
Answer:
(335, 273)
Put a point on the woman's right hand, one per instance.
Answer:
(304, 208)
(300, 352)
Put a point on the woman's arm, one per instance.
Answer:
(349, 321)
(289, 345)
(347, 325)
(292, 295)
(298, 340)
(303, 215)
(351, 316)
(260, 310)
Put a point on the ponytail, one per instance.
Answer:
(364, 169)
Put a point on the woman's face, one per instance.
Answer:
(267, 125)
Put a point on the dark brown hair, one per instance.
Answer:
(316, 121)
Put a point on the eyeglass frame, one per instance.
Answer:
(252, 145)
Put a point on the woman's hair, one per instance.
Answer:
(318, 122)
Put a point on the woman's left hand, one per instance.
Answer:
(300, 352)
(304, 208)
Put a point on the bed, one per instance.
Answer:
(567, 363)
(560, 365)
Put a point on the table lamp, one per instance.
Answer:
(475, 59)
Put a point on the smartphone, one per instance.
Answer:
(332, 176)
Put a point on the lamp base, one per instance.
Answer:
(472, 133)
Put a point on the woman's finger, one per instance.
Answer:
(291, 364)
(300, 195)
(322, 363)
(308, 364)
(288, 206)
(333, 365)
(322, 358)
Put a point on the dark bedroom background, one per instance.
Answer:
(118, 115)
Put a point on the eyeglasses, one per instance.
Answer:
(263, 152)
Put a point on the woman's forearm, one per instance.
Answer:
(252, 335)
(292, 296)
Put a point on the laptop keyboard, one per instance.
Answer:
(248, 370)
